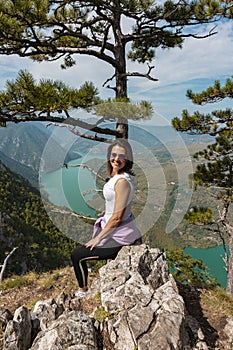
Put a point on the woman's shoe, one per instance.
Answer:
(80, 294)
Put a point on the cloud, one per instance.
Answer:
(196, 66)
(199, 58)
(87, 69)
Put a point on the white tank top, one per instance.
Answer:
(109, 195)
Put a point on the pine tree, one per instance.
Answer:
(49, 30)
(215, 170)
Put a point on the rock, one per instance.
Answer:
(132, 277)
(227, 335)
(72, 330)
(5, 317)
(44, 312)
(141, 309)
(146, 310)
(18, 331)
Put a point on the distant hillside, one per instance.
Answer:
(145, 136)
(25, 224)
(21, 169)
(22, 146)
(170, 135)
(24, 143)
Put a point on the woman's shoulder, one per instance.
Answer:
(121, 177)
(112, 181)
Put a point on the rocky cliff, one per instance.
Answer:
(141, 309)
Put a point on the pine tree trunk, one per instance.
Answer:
(122, 126)
(120, 72)
(121, 91)
(229, 286)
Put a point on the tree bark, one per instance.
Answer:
(120, 71)
(229, 286)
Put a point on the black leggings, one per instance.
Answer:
(81, 254)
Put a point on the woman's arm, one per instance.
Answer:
(122, 192)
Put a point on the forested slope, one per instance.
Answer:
(25, 224)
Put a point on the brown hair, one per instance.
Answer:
(129, 156)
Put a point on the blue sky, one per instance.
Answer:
(195, 67)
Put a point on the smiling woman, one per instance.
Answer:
(117, 160)
(120, 158)
(117, 227)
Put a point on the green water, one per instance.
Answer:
(67, 187)
(212, 258)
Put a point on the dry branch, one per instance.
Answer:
(5, 263)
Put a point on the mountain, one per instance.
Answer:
(25, 224)
(145, 137)
(168, 134)
(22, 146)
(25, 143)
(21, 169)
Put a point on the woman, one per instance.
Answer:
(117, 227)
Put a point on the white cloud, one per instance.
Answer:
(196, 66)
(199, 58)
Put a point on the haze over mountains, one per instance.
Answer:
(22, 145)
(21, 148)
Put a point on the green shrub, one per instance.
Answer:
(101, 314)
(189, 271)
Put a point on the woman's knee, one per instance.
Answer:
(78, 254)
(75, 255)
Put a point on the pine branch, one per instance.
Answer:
(85, 166)
(78, 133)
(146, 75)
(60, 211)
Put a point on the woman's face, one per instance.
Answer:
(117, 159)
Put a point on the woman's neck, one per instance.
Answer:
(117, 173)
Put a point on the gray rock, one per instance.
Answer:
(44, 312)
(5, 317)
(72, 330)
(142, 309)
(141, 295)
(227, 335)
(18, 331)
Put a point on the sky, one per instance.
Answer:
(196, 66)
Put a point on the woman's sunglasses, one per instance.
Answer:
(120, 156)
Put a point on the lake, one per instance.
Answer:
(212, 258)
(66, 187)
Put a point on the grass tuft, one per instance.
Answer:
(101, 314)
(16, 281)
(219, 299)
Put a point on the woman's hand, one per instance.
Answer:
(92, 243)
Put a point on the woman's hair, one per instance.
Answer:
(128, 160)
